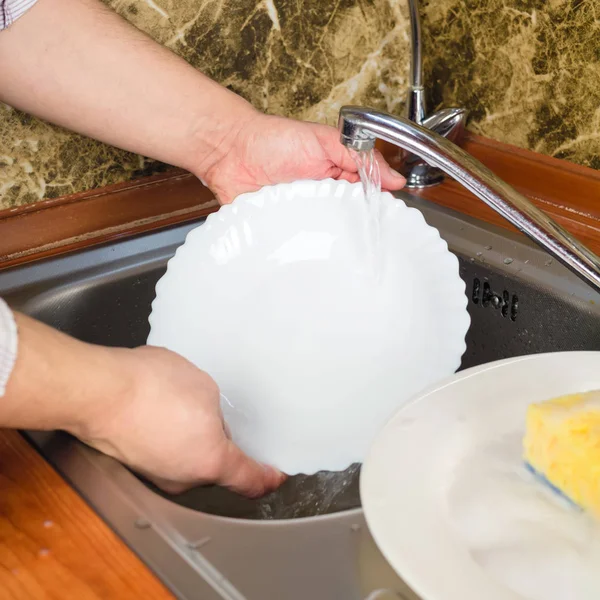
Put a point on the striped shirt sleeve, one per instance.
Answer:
(11, 10)
(8, 345)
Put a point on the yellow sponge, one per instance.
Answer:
(562, 445)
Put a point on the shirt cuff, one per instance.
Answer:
(8, 345)
(11, 10)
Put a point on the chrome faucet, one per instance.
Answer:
(359, 127)
(449, 122)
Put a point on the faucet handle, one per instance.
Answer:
(449, 123)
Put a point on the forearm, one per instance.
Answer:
(78, 64)
(59, 382)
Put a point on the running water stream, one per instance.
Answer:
(370, 177)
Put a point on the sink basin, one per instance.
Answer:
(309, 539)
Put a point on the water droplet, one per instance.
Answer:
(141, 523)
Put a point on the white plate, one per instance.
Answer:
(450, 504)
(277, 298)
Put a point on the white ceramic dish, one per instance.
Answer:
(450, 504)
(276, 296)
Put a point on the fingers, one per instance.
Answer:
(390, 180)
(346, 176)
(341, 157)
(245, 476)
(237, 472)
(170, 487)
(337, 153)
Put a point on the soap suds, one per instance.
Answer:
(521, 533)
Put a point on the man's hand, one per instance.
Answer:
(170, 429)
(269, 150)
(149, 408)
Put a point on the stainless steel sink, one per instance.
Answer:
(309, 540)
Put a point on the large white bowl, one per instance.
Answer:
(314, 340)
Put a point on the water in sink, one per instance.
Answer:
(300, 496)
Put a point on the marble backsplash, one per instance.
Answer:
(528, 70)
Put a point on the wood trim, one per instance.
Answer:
(74, 222)
(568, 192)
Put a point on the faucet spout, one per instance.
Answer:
(359, 127)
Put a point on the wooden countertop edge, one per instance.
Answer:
(52, 544)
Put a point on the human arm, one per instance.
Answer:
(148, 408)
(80, 65)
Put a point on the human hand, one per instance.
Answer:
(171, 430)
(269, 150)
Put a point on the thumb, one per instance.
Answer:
(390, 179)
(245, 476)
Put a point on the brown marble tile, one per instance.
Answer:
(38, 161)
(528, 70)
